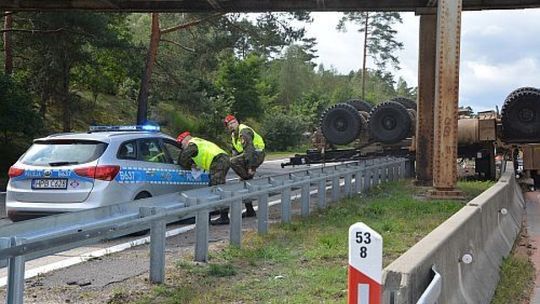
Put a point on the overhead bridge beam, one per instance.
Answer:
(253, 5)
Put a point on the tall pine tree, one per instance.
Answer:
(379, 38)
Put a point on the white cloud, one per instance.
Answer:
(499, 52)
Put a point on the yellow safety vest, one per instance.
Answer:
(258, 141)
(206, 153)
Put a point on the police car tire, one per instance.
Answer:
(360, 105)
(341, 124)
(520, 116)
(389, 122)
(406, 102)
(142, 195)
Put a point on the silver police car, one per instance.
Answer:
(107, 165)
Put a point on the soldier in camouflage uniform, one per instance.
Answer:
(248, 150)
(209, 157)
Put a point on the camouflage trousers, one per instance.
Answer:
(239, 164)
(218, 169)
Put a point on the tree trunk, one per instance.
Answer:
(66, 111)
(43, 104)
(364, 71)
(8, 50)
(142, 99)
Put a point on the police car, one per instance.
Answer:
(107, 165)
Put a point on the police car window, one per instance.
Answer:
(150, 151)
(128, 150)
(63, 152)
(173, 149)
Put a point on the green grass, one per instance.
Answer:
(306, 261)
(517, 279)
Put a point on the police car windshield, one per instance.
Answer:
(63, 153)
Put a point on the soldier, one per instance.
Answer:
(207, 156)
(248, 153)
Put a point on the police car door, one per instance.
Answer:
(180, 178)
(156, 166)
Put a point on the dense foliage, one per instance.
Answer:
(75, 69)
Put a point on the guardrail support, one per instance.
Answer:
(348, 182)
(262, 217)
(335, 188)
(157, 245)
(285, 205)
(235, 232)
(304, 208)
(5, 242)
(322, 193)
(201, 236)
(15, 285)
(368, 176)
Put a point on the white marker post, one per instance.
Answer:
(365, 265)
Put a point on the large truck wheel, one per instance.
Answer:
(406, 102)
(341, 124)
(520, 116)
(390, 122)
(360, 105)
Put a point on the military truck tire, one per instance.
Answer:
(360, 105)
(406, 102)
(389, 122)
(520, 116)
(341, 124)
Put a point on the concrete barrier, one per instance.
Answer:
(467, 250)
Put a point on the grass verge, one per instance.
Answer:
(306, 261)
(517, 275)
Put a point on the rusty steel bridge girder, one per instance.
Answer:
(253, 5)
(446, 96)
(426, 99)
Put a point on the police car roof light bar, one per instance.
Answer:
(151, 128)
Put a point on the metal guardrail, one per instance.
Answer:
(433, 291)
(3, 213)
(23, 241)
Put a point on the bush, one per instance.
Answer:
(283, 132)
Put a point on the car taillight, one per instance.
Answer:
(14, 172)
(106, 173)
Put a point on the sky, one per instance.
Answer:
(500, 51)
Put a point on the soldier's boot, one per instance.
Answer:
(250, 212)
(223, 219)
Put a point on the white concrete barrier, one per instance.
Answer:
(467, 250)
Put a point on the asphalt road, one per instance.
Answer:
(91, 253)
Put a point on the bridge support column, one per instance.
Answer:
(426, 99)
(446, 98)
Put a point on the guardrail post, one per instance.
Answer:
(157, 245)
(322, 193)
(262, 217)
(202, 233)
(285, 205)
(335, 188)
(358, 178)
(235, 232)
(15, 284)
(5, 242)
(368, 173)
(347, 187)
(304, 208)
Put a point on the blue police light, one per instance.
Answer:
(145, 127)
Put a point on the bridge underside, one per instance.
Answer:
(254, 5)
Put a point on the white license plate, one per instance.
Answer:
(49, 183)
